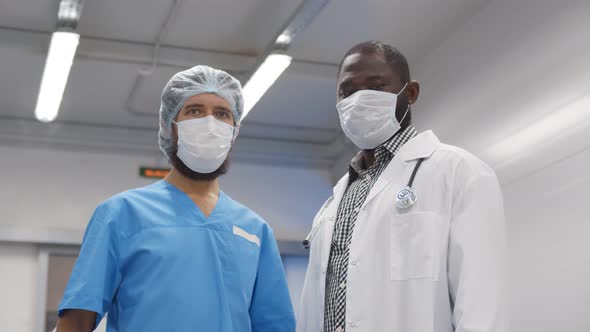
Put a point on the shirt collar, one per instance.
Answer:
(383, 152)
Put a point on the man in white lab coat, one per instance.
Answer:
(430, 258)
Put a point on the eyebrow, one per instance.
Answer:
(193, 105)
(349, 81)
(222, 108)
(218, 108)
(375, 78)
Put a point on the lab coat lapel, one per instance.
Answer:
(421, 146)
(330, 214)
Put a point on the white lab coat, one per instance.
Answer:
(437, 266)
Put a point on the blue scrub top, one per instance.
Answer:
(154, 262)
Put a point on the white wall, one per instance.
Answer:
(60, 189)
(510, 65)
(513, 63)
(18, 287)
(295, 268)
(549, 225)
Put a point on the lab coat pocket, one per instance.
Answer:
(413, 246)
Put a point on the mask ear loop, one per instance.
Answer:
(404, 117)
(407, 108)
(236, 132)
(402, 90)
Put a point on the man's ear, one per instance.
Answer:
(413, 91)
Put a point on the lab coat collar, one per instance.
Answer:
(421, 146)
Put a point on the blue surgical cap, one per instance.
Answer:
(192, 82)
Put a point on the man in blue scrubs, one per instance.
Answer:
(180, 255)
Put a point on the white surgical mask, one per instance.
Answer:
(203, 144)
(368, 118)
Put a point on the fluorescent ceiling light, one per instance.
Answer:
(55, 75)
(563, 121)
(264, 77)
(284, 38)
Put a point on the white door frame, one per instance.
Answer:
(46, 250)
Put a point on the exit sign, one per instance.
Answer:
(153, 173)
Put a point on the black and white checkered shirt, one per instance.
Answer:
(361, 181)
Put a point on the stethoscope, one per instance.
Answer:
(404, 199)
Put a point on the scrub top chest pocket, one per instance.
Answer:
(413, 246)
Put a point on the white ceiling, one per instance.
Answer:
(488, 67)
(416, 27)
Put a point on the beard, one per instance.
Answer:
(189, 173)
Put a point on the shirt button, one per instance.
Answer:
(352, 324)
(368, 177)
(343, 285)
(356, 210)
(353, 262)
(339, 329)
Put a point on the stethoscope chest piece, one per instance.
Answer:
(405, 198)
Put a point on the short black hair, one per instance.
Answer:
(392, 55)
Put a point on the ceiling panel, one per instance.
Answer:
(131, 20)
(29, 14)
(301, 101)
(146, 99)
(245, 26)
(298, 118)
(416, 27)
(20, 78)
(297, 108)
(488, 67)
(97, 92)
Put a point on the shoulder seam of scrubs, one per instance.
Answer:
(250, 237)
